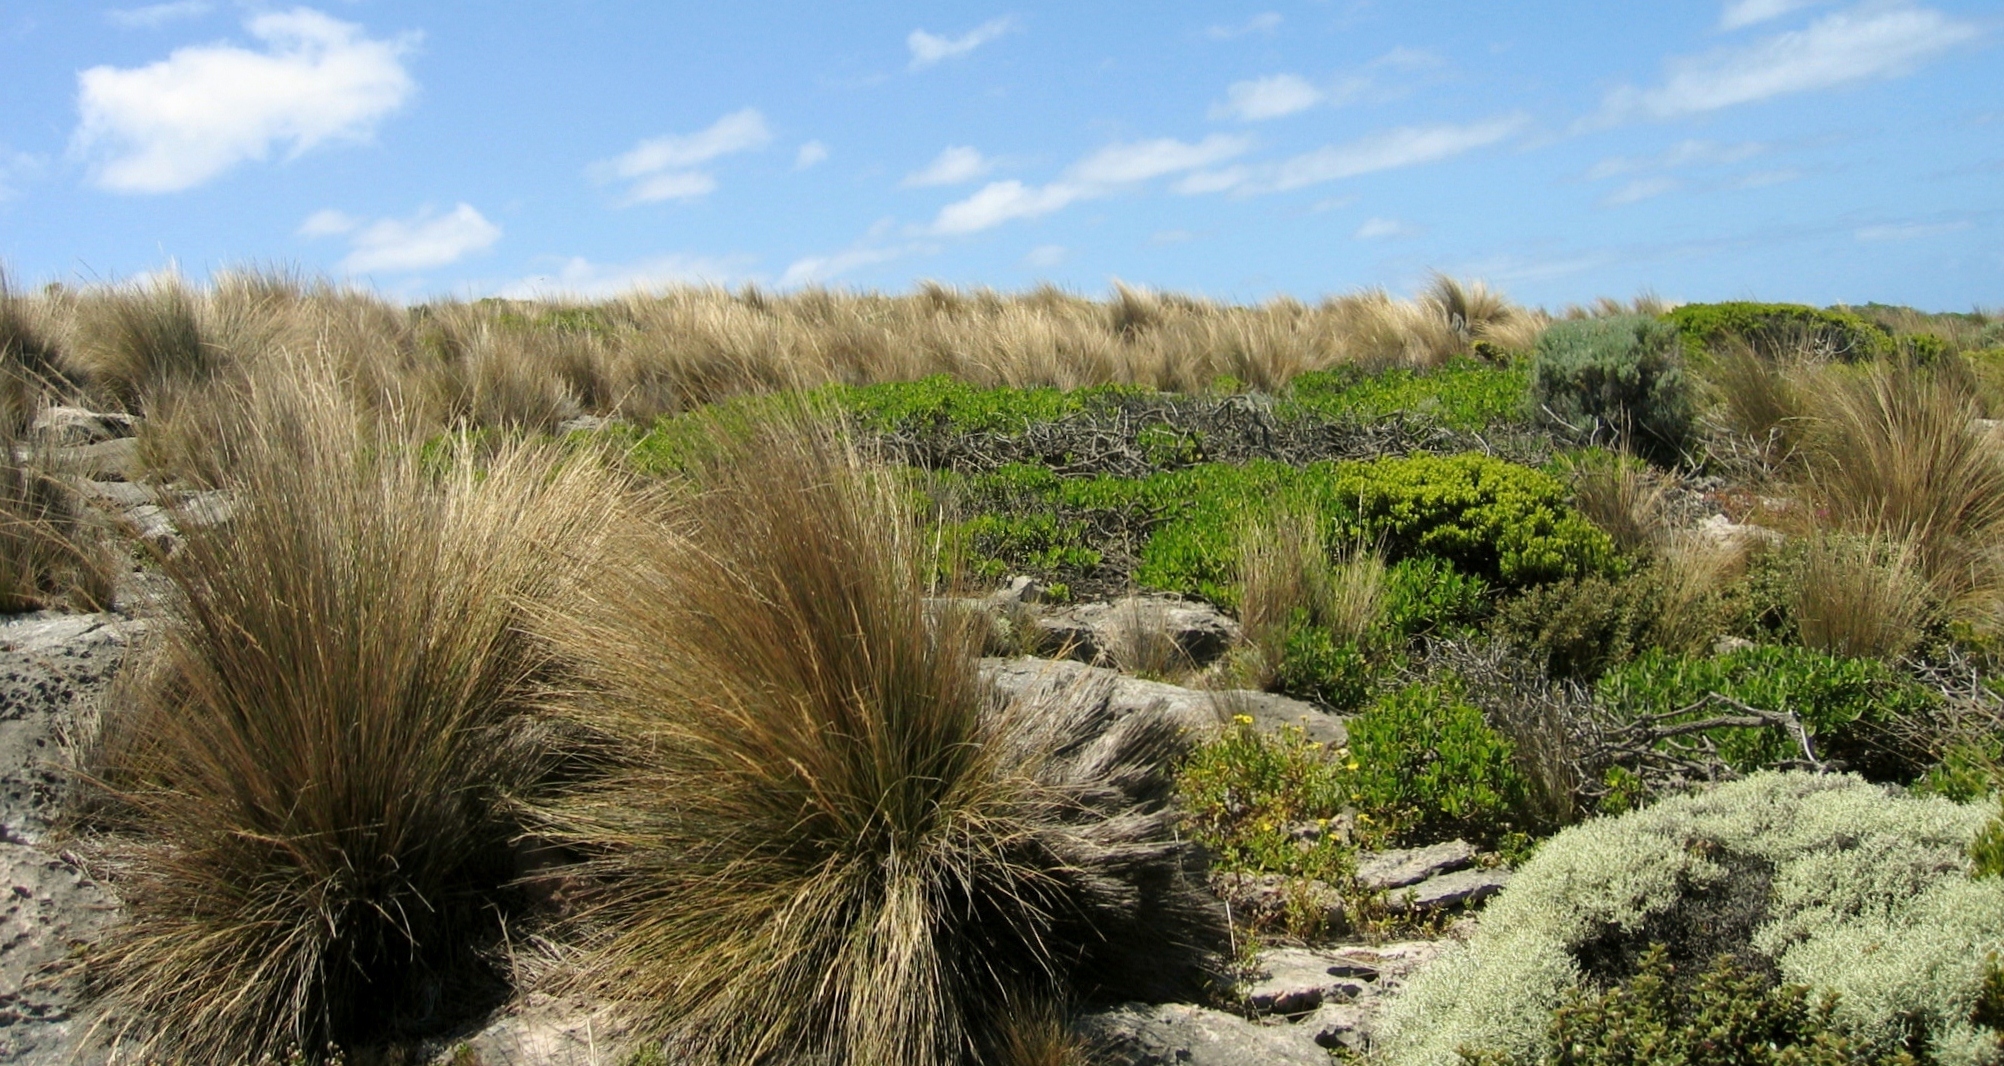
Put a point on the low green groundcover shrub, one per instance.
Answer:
(1489, 520)
(1828, 881)
(1465, 394)
(1841, 702)
(1621, 376)
(1771, 327)
(1428, 766)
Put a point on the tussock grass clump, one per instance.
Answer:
(813, 835)
(1859, 596)
(1624, 496)
(1893, 453)
(1290, 579)
(51, 555)
(303, 796)
(137, 338)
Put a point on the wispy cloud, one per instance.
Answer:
(177, 123)
(1045, 256)
(953, 166)
(1690, 153)
(1911, 231)
(811, 154)
(154, 16)
(1277, 95)
(663, 168)
(1100, 174)
(1380, 229)
(1740, 14)
(1864, 44)
(927, 48)
(16, 167)
(1641, 189)
(578, 276)
(1268, 97)
(400, 246)
(1265, 23)
(1389, 150)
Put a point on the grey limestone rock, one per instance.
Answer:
(1410, 866)
(1180, 1034)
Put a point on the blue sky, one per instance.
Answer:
(1782, 149)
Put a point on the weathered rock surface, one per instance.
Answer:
(52, 666)
(1410, 866)
(1298, 980)
(155, 514)
(1120, 631)
(74, 426)
(1457, 889)
(1117, 696)
(540, 1029)
(1179, 1034)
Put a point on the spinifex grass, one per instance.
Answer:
(303, 798)
(813, 835)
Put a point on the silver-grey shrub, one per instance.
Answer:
(1866, 895)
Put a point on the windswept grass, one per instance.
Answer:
(51, 555)
(303, 797)
(812, 837)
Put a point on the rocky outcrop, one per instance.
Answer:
(1139, 631)
(1181, 1034)
(1116, 696)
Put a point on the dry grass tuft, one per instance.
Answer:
(134, 339)
(1289, 577)
(812, 834)
(51, 554)
(1761, 401)
(1692, 570)
(1624, 496)
(1860, 596)
(1893, 453)
(303, 797)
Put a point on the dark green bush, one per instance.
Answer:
(1620, 376)
(1580, 627)
(1315, 666)
(1729, 1015)
(1426, 596)
(1772, 328)
(1844, 704)
(1243, 792)
(1428, 765)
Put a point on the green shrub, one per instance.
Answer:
(1314, 666)
(1621, 375)
(1728, 1016)
(1579, 627)
(1493, 519)
(945, 404)
(1832, 882)
(1427, 764)
(1426, 596)
(1968, 770)
(1464, 394)
(1842, 703)
(1244, 792)
(1772, 328)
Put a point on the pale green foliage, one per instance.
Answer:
(1869, 898)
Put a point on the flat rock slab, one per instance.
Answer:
(1458, 889)
(1180, 1034)
(1299, 980)
(1116, 696)
(1118, 630)
(49, 907)
(540, 1029)
(51, 665)
(1410, 866)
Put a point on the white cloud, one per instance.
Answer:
(1911, 231)
(154, 16)
(817, 269)
(954, 165)
(1269, 97)
(16, 167)
(1097, 175)
(177, 123)
(1835, 50)
(399, 246)
(1641, 189)
(1390, 150)
(1045, 256)
(328, 223)
(1743, 13)
(1265, 22)
(578, 276)
(662, 168)
(1378, 229)
(1133, 161)
(928, 49)
(1001, 201)
(1691, 153)
(810, 154)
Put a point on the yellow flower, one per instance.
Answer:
(1243, 719)
(1352, 764)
